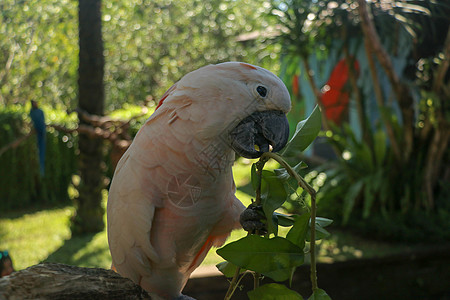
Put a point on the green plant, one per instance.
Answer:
(367, 188)
(20, 182)
(358, 175)
(392, 162)
(268, 253)
(148, 46)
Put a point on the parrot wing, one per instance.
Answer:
(129, 233)
(139, 183)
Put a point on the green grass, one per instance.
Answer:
(44, 235)
(31, 237)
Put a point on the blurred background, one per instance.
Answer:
(379, 71)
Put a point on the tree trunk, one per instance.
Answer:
(89, 211)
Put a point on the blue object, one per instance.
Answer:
(37, 116)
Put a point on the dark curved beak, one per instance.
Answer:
(262, 129)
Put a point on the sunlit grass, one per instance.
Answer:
(31, 237)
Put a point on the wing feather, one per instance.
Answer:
(138, 187)
(130, 214)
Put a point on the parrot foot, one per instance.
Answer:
(252, 219)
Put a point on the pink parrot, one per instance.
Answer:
(172, 196)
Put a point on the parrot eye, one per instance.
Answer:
(262, 91)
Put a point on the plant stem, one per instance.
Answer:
(256, 278)
(301, 182)
(233, 284)
(310, 190)
(259, 168)
(312, 249)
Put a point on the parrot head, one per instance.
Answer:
(246, 104)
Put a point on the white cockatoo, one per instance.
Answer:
(172, 196)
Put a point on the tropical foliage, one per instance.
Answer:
(393, 161)
(263, 251)
(392, 156)
(21, 184)
(148, 45)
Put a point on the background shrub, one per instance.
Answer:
(21, 185)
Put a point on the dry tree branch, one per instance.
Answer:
(401, 91)
(316, 91)
(379, 98)
(350, 61)
(318, 95)
(433, 164)
(16, 142)
(441, 131)
(443, 67)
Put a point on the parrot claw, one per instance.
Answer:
(252, 220)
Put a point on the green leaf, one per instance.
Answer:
(274, 258)
(297, 234)
(319, 294)
(273, 291)
(228, 269)
(305, 133)
(379, 146)
(369, 195)
(264, 185)
(323, 222)
(350, 197)
(364, 155)
(285, 220)
(275, 197)
(320, 233)
(283, 175)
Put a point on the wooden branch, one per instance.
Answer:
(94, 120)
(371, 35)
(438, 83)
(9, 61)
(379, 98)
(441, 89)
(102, 121)
(93, 132)
(16, 143)
(433, 163)
(318, 96)
(120, 142)
(401, 91)
(5, 72)
(350, 61)
(58, 281)
(317, 93)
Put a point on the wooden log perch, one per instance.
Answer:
(59, 281)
